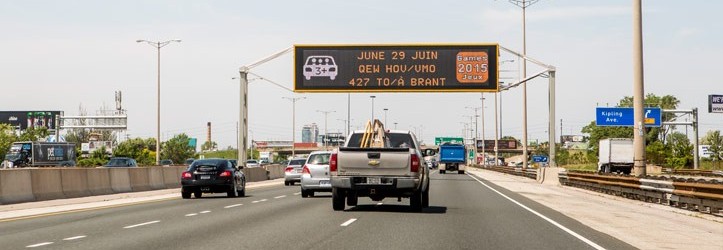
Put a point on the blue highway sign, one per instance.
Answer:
(539, 158)
(625, 117)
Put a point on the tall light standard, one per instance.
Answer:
(476, 133)
(395, 125)
(158, 46)
(293, 122)
(372, 97)
(326, 115)
(484, 154)
(524, 4)
(385, 115)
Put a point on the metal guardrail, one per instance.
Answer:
(694, 172)
(699, 195)
(528, 172)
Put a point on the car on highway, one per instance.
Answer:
(121, 162)
(315, 174)
(166, 162)
(292, 172)
(251, 163)
(212, 176)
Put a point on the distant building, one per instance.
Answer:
(333, 139)
(310, 133)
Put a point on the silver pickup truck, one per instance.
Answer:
(395, 169)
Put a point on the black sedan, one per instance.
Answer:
(213, 176)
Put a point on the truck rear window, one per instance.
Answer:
(394, 140)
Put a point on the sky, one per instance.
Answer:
(60, 55)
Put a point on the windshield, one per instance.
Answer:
(319, 159)
(12, 157)
(297, 162)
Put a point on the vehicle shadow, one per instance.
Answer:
(219, 196)
(396, 209)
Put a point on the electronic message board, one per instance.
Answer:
(396, 68)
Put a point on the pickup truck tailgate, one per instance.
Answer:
(374, 161)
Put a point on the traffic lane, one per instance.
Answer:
(104, 220)
(291, 222)
(463, 214)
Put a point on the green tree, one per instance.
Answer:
(209, 145)
(177, 149)
(33, 134)
(7, 137)
(657, 153)
(681, 150)
(138, 149)
(714, 139)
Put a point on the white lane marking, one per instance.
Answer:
(352, 220)
(264, 200)
(75, 237)
(142, 224)
(279, 197)
(234, 205)
(297, 193)
(567, 230)
(40, 244)
(379, 204)
(204, 212)
(255, 201)
(193, 214)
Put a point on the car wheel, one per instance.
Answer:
(425, 197)
(460, 172)
(311, 193)
(186, 195)
(286, 183)
(337, 199)
(441, 171)
(242, 192)
(415, 202)
(304, 194)
(352, 199)
(197, 194)
(232, 193)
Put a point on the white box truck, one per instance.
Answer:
(615, 155)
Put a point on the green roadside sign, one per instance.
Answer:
(455, 140)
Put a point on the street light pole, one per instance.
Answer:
(326, 134)
(385, 115)
(524, 4)
(484, 146)
(372, 97)
(158, 46)
(293, 122)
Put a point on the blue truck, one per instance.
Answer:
(452, 158)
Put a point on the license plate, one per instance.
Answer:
(298, 171)
(373, 180)
(324, 183)
(205, 177)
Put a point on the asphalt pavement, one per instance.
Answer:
(465, 212)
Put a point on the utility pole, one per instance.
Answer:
(484, 146)
(372, 97)
(293, 122)
(385, 116)
(638, 91)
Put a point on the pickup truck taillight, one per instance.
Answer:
(415, 163)
(332, 163)
(186, 175)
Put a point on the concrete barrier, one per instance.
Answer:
(275, 171)
(120, 180)
(15, 186)
(99, 181)
(255, 174)
(75, 182)
(155, 178)
(139, 179)
(171, 178)
(46, 184)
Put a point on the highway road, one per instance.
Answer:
(466, 212)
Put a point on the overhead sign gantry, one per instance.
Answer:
(396, 68)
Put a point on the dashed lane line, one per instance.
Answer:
(234, 205)
(75, 237)
(192, 214)
(297, 193)
(141, 224)
(40, 244)
(279, 197)
(347, 223)
(204, 212)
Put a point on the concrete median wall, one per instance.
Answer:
(25, 185)
(139, 179)
(16, 186)
(120, 180)
(98, 181)
(46, 184)
(75, 182)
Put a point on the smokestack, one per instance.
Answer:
(208, 136)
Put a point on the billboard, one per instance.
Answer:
(715, 104)
(501, 144)
(396, 68)
(29, 119)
